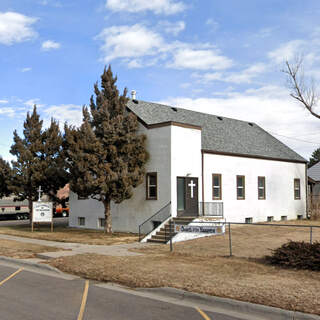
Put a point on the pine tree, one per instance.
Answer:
(5, 176)
(106, 155)
(39, 160)
(315, 157)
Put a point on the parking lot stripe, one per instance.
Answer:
(84, 300)
(11, 276)
(203, 314)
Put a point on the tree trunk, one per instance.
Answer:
(107, 215)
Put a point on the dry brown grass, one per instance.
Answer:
(236, 278)
(64, 234)
(21, 250)
(202, 266)
(250, 241)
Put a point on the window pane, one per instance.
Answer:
(240, 192)
(240, 181)
(261, 182)
(261, 193)
(152, 180)
(181, 193)
(152, 191)
(216, 180)
(297, 194)
(216, 192)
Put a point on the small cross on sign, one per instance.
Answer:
(40, 192)
(191, 185)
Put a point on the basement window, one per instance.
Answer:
(270, 219)
(299, 216)
(81, 221)
(284, 218)
(249, 220)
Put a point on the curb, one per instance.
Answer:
(33, 264)
(230, 305)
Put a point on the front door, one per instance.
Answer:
(187, 196)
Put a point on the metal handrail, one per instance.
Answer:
(152, 217)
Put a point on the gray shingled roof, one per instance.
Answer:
(314, 172)
(226, 135)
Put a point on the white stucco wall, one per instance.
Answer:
(185, 158)
(130, 213)
(279, 187)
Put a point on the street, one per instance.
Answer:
(26, 294)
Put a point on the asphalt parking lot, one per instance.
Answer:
(31, 295)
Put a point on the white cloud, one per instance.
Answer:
(271, 107)
(31, 102)
(166, 7)
(4, 101)
(16, 27)
(243, 76)
(287, 51)
(173, 28)
(27, 69)
(214, 25)
(9, 112)
(50, 45)
(199, 59)
(129, 42)
(70, 113)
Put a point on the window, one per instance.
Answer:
(297, 195)
(181, 191)
(240, 187)
(284, 218)
(249, 220)
(216, 186)
(81, 221)
(261, 188)
(18, 208)
(102, 222)
(152, 186)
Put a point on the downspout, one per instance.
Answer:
(306, 178)
(202, 178)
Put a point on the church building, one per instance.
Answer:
(204, 165)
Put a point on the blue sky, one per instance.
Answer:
(220, 57)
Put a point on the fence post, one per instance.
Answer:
(310, 235)
(139, 234)
(170, 224)
(230, 241)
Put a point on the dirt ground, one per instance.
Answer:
(203, 266)
(65, 234)
(20, 250)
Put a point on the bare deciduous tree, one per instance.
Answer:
(302, 89)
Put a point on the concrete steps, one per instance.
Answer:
(163, 235)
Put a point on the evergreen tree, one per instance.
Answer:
(5, 176)
(39, 160)
(315, 157)
(106, 155)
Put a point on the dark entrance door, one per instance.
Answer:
(187, 196)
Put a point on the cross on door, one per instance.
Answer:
(191, 185)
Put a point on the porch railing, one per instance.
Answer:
(211, 209)
(154, 221)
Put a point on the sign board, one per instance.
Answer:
(208, 229)
(42, 212)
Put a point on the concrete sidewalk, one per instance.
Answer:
(71, 248)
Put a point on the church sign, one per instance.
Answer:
(198, 228)
(42, 211)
